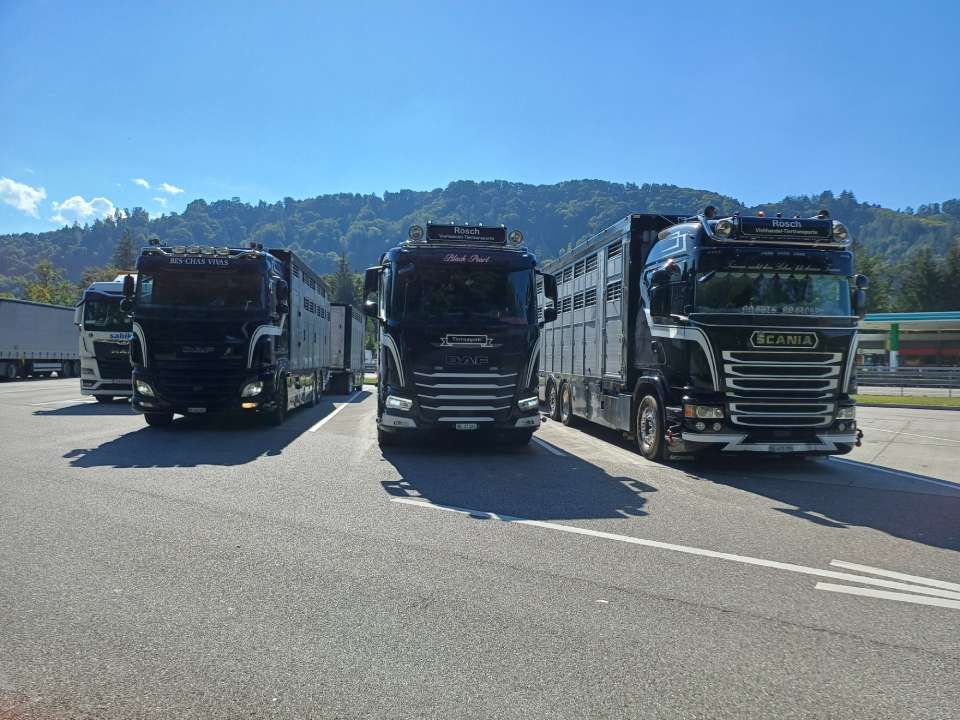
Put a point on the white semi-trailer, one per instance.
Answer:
(36, 340)
(105, 334)
(346, 348)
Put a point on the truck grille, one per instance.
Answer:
(453, 397)
(113, 360)
(782, 389)
(205, 381)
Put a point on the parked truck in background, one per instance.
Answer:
(37, 340)
(105, 333)
(346, 348)
(458, 333)
(226, 330)
(734, 334)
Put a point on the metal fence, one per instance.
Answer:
(943, 381)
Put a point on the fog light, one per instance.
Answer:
(398, 403)
(701, 426)
(717, 427)
(847, 413)
(841, 427)
(530, 403)
(144, 389)
(252, 389)
(248, 405)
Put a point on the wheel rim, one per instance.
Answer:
(649, 427)
(565, 403)
(553, 401)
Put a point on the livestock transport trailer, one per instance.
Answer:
(226, 330)
(37, 340)
(733, 334)
(346, 348)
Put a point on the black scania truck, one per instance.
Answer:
(736, 334)
(459, 333)
(226, 330)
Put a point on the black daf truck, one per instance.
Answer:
(226, 330)
(459, 333)
(735, 334)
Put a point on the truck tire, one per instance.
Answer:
(650, 436)
(566, 405)
(161, 419)
(10, 371)
(66, 370)
(314, 394)
(553, 401)
(279, 413)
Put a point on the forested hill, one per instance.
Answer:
(551, 217)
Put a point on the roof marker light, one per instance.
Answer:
(761, 213)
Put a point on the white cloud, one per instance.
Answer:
(161, 201)
(141, 182)
(170, 189)
(22, 197)
(76, 209)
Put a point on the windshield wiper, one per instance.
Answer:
(706, 276)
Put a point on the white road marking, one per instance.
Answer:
(915, 579)
(330, 417)
(887, 595)
(898, 473)
(900, 432)
(548, 447)
(745, 559)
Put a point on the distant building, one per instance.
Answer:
(929, 339)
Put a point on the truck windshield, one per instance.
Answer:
(225, 290)
(432, 293)
(103, 314)
(758, 293)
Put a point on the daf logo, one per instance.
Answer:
(466, 341)
(770, 339)
(468, 360)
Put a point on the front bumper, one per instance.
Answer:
(119, 387)
(827, 443)
(228, 402)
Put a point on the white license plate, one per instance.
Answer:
(466, 426)
(196, 411)
(783, 448)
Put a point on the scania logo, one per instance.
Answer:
(466, 341)
(769, 339)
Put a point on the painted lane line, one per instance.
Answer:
(887, 595)
(548, 447)
(915, 579)
(686, 549)
(330, 417)
(900, 432)
(898, 473)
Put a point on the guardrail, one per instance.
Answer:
(944, 379)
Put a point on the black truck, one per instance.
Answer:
(226, 330)
(734, 334)
(459, 333)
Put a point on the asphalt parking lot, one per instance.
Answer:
(226, 570)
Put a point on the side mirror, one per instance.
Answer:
(126, 305)
(660, 300)
(283, 297)
(371, 286)
(860, 302)
(370, 308)
(78, 315)
(129, 285)
(861, 282)
(550, 289)
(549, 314)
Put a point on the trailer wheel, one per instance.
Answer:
(158, 419)
(553, 401)
(66, 370)
(650, 439)
(566, 405)
(313, 393)
(10, 371)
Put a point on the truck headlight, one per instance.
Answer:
(398, 403)
(705, 412)
(847, 413)
(145, 389)
(252, 389)
(530, 403)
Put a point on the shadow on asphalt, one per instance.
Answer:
(89, 409)
(821, 491)
(525, 482)
(189, 442)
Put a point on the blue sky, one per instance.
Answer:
(266, 100)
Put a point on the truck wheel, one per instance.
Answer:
(66, 370)
(104, 398)
(553, 402)
(385, 439)
(157, 419)
(10, 371)
(650, 439)
(313, 393)
(566, 405)
(279, 414)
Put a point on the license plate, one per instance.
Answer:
(783, 448)
(466, 426)
(196, 411)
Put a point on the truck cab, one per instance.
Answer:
(459, 333)
(105, 334)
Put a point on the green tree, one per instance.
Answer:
(49, 286)
(345, 284)
(125, 253)
(922, 282)
(880, 295)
